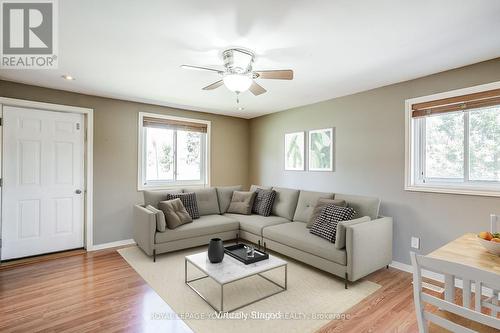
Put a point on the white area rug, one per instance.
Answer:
(313, 297)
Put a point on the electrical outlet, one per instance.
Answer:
(415, 243)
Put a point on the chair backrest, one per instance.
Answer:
(482, 279)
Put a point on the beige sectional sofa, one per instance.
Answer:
(364, 244)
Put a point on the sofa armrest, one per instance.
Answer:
(368, 247)
(144, 228)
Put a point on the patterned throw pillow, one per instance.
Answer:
(263, 203)
(189, 202)
(326, 223)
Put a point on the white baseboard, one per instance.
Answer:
(111, 244)
(436, 276)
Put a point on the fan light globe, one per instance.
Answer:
(237, 82)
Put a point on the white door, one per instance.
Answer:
(43, 179)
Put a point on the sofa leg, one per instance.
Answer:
(345, 281)
(154, 255)
(387, 266)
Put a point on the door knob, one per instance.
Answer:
(78, 191)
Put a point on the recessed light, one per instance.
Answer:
(68, 77)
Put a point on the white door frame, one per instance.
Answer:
(88, 158)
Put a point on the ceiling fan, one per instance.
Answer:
(238, 74)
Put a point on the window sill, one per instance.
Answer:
(170, 187)
(454, 190)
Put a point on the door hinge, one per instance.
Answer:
(1, 182)
(1, 121)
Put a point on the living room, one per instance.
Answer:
(224, 166)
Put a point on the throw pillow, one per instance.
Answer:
(189, 202)
(241, 203)
(263, 203)
(326, 223)
(175, 213)
(161, 224)
(320, 205)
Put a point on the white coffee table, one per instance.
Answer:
(231, 270)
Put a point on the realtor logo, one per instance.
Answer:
(29, 35)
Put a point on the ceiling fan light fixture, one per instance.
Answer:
(237, 82)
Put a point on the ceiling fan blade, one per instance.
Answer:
(214, 85)
(280, 74)
(256, 89)
(199, 68)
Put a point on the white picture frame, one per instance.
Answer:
(320, 149)
(294, 151)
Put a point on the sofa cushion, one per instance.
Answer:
(206, 199)
(326, 223)
(255, 223)
(306, 203)
(364, 206)
(296, 235)
(175, 213)
(224, 195)
(320, 205)
(263, 203)
(254, 187)
(205, 225)
(341, 230)
(241, 203)
(285, 202)
(153, 198)
(161, 223)
(189, 202)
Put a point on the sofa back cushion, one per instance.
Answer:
(153, 198)
(305, 205)
(224, 195)
(364, 206)
(285, 202)
(255, 187)
(206, 199)
(175, 213)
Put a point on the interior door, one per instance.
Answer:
(43, 180)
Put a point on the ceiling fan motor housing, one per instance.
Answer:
(238, 61)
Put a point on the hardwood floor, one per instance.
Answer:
(100, 292)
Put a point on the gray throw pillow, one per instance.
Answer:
(161, 224)
(327, 222)
(263, 203)
(322, 203)
(224, 194)
(175, 213)
(241, 203)
(189, 202)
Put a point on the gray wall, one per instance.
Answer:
(115, 152)
(369, 157)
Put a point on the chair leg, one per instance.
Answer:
(154, 255)
(345, 281)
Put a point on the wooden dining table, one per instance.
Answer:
(465, 250)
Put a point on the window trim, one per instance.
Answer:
(141, 155)
(411, 158)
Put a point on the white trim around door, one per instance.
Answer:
(89, 143)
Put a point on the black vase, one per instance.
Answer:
(215, 250)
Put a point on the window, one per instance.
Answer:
(453, 142)
(173, 151)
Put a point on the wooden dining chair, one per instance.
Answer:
(454, 317)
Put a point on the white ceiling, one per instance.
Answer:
(133, 49)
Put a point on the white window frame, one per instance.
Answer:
(415, 157)
(141, 157)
